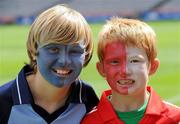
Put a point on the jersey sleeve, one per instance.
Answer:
(91, 99)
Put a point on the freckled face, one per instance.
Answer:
(125, 68)
(60, 64)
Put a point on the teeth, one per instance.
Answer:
(123, 82)
(62, 71)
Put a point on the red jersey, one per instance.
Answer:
(157, 112)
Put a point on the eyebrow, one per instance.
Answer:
(136, 56)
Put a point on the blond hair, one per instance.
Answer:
(59, 24)
(129, 31)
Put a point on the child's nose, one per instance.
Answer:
(63, 59)
(128, 71)
(124, 70)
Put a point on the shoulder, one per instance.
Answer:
(5, 101)
(172, 111)
(87, 89)
(86, 85)
(89, 96)
(6, 91)
(92, 117)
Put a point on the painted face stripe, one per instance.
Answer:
(123, 60)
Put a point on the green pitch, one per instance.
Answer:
(166, 81)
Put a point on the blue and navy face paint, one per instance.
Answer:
(61, 64)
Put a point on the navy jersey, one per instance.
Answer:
(17, 105)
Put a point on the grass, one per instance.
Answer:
(166, 81)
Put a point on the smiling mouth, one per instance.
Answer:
(125, 82)
(62, 72)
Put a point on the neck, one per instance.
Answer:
(125, 103)
(46, 95)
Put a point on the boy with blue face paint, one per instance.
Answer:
(48, 89)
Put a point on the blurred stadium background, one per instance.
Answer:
(163, 15)
(24, 11)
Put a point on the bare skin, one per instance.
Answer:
(46, 95)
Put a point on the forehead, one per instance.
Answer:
(114, 48)
(80, 43)
(134, 51)
(121, 49)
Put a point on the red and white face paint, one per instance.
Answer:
(125, 68)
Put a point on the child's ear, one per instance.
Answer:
(154, 66)
(100, 68)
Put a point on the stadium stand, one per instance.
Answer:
(24, 11)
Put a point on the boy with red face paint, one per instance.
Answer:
(127, 57)
(49, 90)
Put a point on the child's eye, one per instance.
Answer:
(76, 52)
(114, 62)
(134, 61)
(53, 50)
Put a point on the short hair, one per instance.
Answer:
(59, 24)
(129, 31)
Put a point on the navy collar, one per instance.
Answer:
(21, 91)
